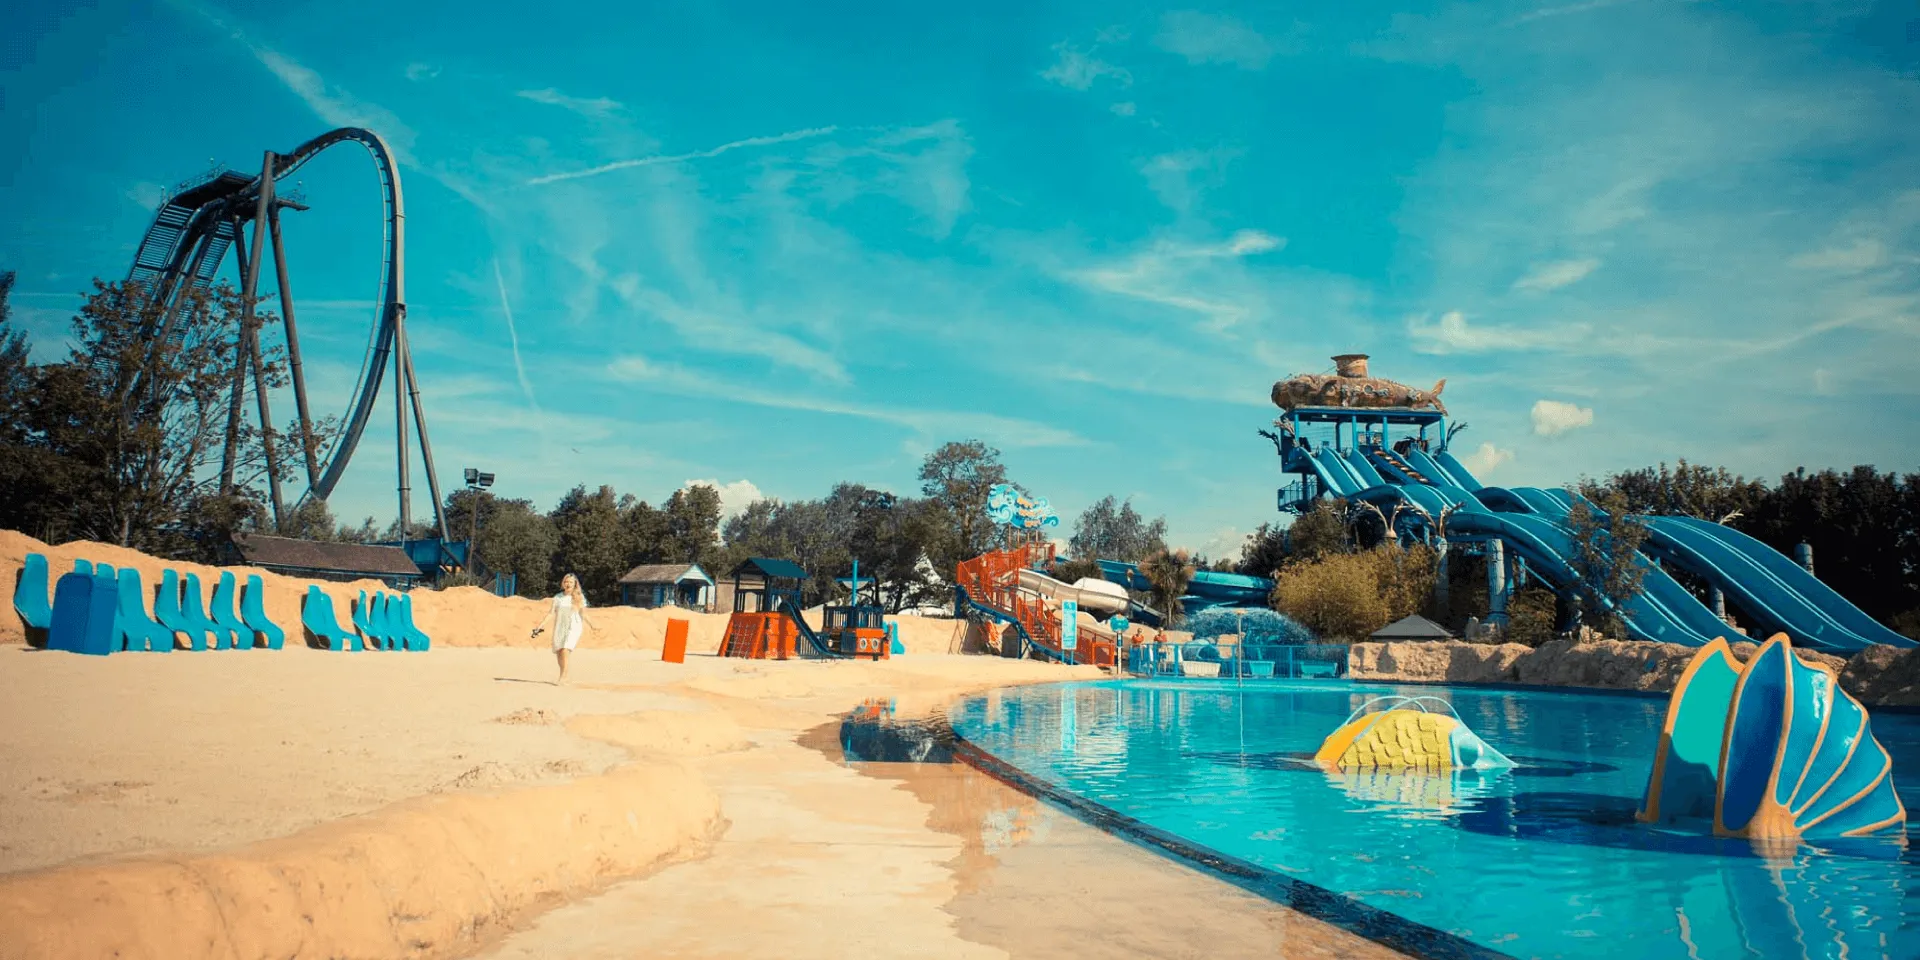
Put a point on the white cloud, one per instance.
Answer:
(513, 336)
(1177, 274)
(1076, 70)
(421, 71)
(584, 106)
(1452, 335)
(684, 157)
(1553, 276)
(1224, 544)
(1182, 178)
(1862, 255)
(1486, 459)
(1209, 38)
(1123, 109)
(146, 195)
(734, 496)
(1552, 418)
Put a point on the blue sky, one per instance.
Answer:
(781, 245)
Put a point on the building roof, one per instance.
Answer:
(336, 557)
(666, 573)
(769, 567)
(1415, 627)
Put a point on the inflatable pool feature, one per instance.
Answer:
(1403, 736)
(1773, 750)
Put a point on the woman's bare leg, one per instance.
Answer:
(562, 655)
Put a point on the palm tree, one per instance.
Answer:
(1167, 573)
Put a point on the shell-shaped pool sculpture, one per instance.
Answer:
(1773, 750)
(1405, 737)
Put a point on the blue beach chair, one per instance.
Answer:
(103, 611)
(83, 566)
(132, 628)
(30, 599)
(416, 638)
(166, 609)
(363, 620)
(253, 612)
(316, 615)
(67, 622)
(379, 616)
(221, 609)
(202, 625)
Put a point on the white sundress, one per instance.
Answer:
(567, 624)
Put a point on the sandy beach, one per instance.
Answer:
(302, 803)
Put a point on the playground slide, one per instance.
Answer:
(799, 617)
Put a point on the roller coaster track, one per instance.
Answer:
(199, 222)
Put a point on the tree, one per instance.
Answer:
(591, 542)
(1347, 596)
(1319, 532)
(1264, 551)
(515, 538)
(1687, 490)
(1115, 531)
(1863, 526)
(957, 478)
(1168, 573)
(1606, 556)
(692, 518)
(120, 441)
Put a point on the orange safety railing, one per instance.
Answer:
(993, 580)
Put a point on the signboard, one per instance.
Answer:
(1069, 624)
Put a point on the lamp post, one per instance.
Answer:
(476, 482)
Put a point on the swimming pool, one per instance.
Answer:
(1542, 861)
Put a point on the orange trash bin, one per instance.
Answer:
(675, 648)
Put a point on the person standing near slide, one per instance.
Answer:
(568, 617)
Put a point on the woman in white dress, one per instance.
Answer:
(568, 617)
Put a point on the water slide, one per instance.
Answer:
(1206, 589)
(1776, 590)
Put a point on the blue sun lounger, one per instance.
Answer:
(253, 612)
(84, 608)
(316, 616)
(166, 609)
(83, 566)
(363, 621)
(30, 597)
(414, 637)
(200, 624)
(221, 609)
(381, 616)
(133, 629)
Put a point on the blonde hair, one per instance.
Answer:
(574, 592)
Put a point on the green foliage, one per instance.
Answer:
(889, 536)
(1318, 533)
(1606, 556)
(515, 538)
(956, 479)
(1686, 489)
(591, 545)
(1115, 531)
(1264, 551)
(1168, 572)
(692, 526)
(1067, 571)
(1530, 615)
(1863, 525)
(1347, 596)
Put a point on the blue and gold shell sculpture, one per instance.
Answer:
(1772, 751)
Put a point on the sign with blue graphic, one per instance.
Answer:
(1069, 624)
(1118, 624)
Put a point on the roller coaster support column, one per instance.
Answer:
(420, 417)
(250, 331)
(400, 426)
(1496, 583)
(293, 339)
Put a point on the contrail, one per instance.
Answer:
(513, 337)
(684, 157)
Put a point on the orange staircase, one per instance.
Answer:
(760, 636)
(993, 580)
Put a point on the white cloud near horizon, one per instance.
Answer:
(1553, 276)
(734, 497)
(1486, 459)
(1452, 334)
(1552, 418)
(421, 71)
(1211, 38)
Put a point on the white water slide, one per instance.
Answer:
(1098, 599)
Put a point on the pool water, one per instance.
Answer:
(1541, 861)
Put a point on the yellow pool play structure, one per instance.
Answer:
(1404, 736)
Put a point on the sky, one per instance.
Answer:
(775, 246)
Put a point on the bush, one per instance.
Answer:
(1350, 595)
(1530, 616)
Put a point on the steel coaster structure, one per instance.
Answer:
(182, 251)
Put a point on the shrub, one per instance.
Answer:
(1350, 595)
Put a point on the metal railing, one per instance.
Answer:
(1250, 659)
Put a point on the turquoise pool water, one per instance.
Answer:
(1543, 861)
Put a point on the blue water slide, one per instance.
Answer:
(1334, 472)
(1791, 577)
(1369, 477)
(1434, 472)
(1392, 471)
(1450, 467)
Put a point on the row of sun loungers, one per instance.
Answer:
(98, 610)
